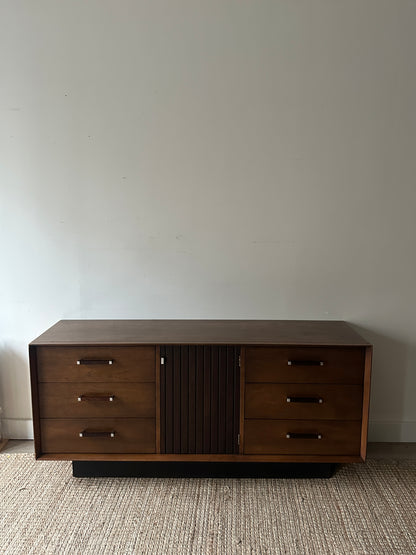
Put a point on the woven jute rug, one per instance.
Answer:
(363, 508)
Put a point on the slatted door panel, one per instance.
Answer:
(199, 399)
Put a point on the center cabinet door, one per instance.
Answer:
(199, 399)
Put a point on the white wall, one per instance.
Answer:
(218, 159)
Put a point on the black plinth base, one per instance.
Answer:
(92, 469)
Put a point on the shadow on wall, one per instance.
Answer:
(388, 383)
(15, 399)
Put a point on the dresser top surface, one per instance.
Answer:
(194, 332)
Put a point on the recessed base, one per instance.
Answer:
(93, 469)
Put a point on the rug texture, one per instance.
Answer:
(364, 508)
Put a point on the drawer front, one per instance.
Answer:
(269, 437)
(96, 364)
(303, 401)
(100, 400)
(305, 364)
(131, 435)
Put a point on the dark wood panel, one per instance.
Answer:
(131, 435)
(303, 364)
(129, 364)
(200, 332)
(268, 437)
(307, 401)
(60, 400)
(201, 399)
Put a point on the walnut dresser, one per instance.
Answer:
(151, 392)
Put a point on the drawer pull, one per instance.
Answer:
(85, 433)
(305, 363)
(96, 397)
(90, 361)
(291, 435)
(304, 400)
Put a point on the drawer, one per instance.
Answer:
(305, 364)
(131, 435)
(269, 437)
(101, 400)
(96, 364)
(303, 401)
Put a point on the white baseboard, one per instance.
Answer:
(17, 428)
(379, 431)
(392, 432)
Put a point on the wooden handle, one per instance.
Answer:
(304, 400)
(86, 433)
(109, 398)
(292, 435)
(305, 363)
(90, 361)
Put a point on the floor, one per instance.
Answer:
(375, 450)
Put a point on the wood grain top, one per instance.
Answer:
(194, 332)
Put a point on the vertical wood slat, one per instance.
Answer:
(176, 400)
(214, 400)
(184, 399)
(166, 441)
(199, 415)
(192, 407)
(200, 390)
(237, 400)
(160, 407)
(206, 434)
(230, 399)
(222, 399)
(239, 411)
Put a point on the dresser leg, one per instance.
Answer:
(92, 469)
